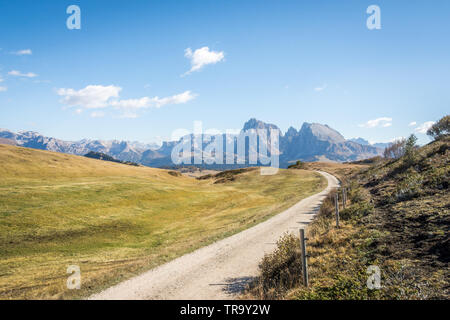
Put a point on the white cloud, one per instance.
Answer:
(384, 122)
(98, 96)
(91, 97)
(20, 74)
(318, 89)
(129, 106)
(175, 99)
(140, 103)
(23, 52)
(3, 89)
(412, 124)
(202, 57)
(423, 128)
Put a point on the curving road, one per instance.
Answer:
(222, 269)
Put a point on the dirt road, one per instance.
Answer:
(222, 269)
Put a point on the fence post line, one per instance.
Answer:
(344, 198)
(304, 261)
(337, 209)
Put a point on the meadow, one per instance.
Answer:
(115, 220)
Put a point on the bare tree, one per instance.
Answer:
(395, 149)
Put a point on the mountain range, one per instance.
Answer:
(312, 142)
(364, 142)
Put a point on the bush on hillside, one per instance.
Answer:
(410, 186)
(438, 178)
(356, 210)
(297, 165)
(174, 173)
(440, 128)
(281, 270)
(358, 194)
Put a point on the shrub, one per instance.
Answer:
(297, 165)
(438, 178)
(440, 128)
(174, 173)
(342, 287)
(410, 187)
(358, 194)
(281, 270)
(356, 210)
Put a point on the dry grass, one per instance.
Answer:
(200, 173)
(343, 171)
(115, 220)
(397, 218)
(336, 261)
(332, 254)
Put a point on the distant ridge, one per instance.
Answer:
(121, 150)
(364, 142)
(313, 142)
(7, 141)
(105, 157)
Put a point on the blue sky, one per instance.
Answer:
(283, 62)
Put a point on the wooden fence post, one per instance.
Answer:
(304, 261)
(344, 198)
(336, 201)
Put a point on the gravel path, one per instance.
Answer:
(222, 269)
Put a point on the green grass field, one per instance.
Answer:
(115, 220)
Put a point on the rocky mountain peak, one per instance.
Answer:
(321, 132)
(258, 124)
(361, 141)
(291, 132)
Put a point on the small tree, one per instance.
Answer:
(297, 165)
(410, 149)
(395, 149)
(440, 128)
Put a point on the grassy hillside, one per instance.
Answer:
(397, 218)
(116, 220)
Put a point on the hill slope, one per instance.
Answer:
(397, 219)
(115, 220)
